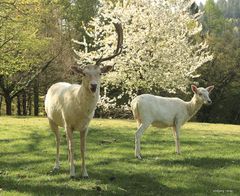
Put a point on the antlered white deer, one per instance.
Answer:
(166, 112)
(72, 106)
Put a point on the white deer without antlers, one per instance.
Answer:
(72, 106)
(166, 112)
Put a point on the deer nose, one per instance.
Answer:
(93, 87)
(209, 102)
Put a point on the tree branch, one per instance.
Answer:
(21, 87)
(6, 41)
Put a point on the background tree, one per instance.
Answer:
(158, 54)
(28, 45)
(19, 43)
(224, 70)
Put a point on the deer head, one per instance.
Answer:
(92, 73)
(202, 94)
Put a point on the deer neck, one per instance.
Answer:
(87, 99)
(193, 106)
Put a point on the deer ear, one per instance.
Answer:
(194, 89)
(106, 68)
(77, 69)
(210, 88)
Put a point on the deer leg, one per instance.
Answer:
(69, 134)
(55, 129)
(68, 151)
(178, 140)
(138, 136)
(176, 134)
(83, 136)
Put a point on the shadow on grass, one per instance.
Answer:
(13, 140)
(128, 183)
(14, 165)
(36, 139)
(143, 184)
(10, 184)
(201, 162)
(139, 184)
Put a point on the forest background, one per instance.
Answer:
(37, 49)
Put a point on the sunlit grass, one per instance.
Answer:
(209, 163)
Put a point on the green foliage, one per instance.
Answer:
(28, 153)
(232, 9)
(77, 13)
(213, 18)
(25, 48)
(224, 71)
(20, 40)
(222, 5)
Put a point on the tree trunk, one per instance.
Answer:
(0, 105)
(24, 103)
(29, 104)
(36, 97)
(8, 101)
(19, 111)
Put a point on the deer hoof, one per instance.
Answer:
(139, 156)
(85, 177)
(56, 168)
(72, 177)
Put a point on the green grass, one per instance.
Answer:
(209, 163)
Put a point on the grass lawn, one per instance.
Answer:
(209, 163)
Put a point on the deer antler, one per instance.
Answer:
(119, 30)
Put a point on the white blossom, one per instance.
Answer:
(158, 47)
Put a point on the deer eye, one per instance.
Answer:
(200, 94)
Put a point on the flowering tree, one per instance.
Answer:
(158, 47)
